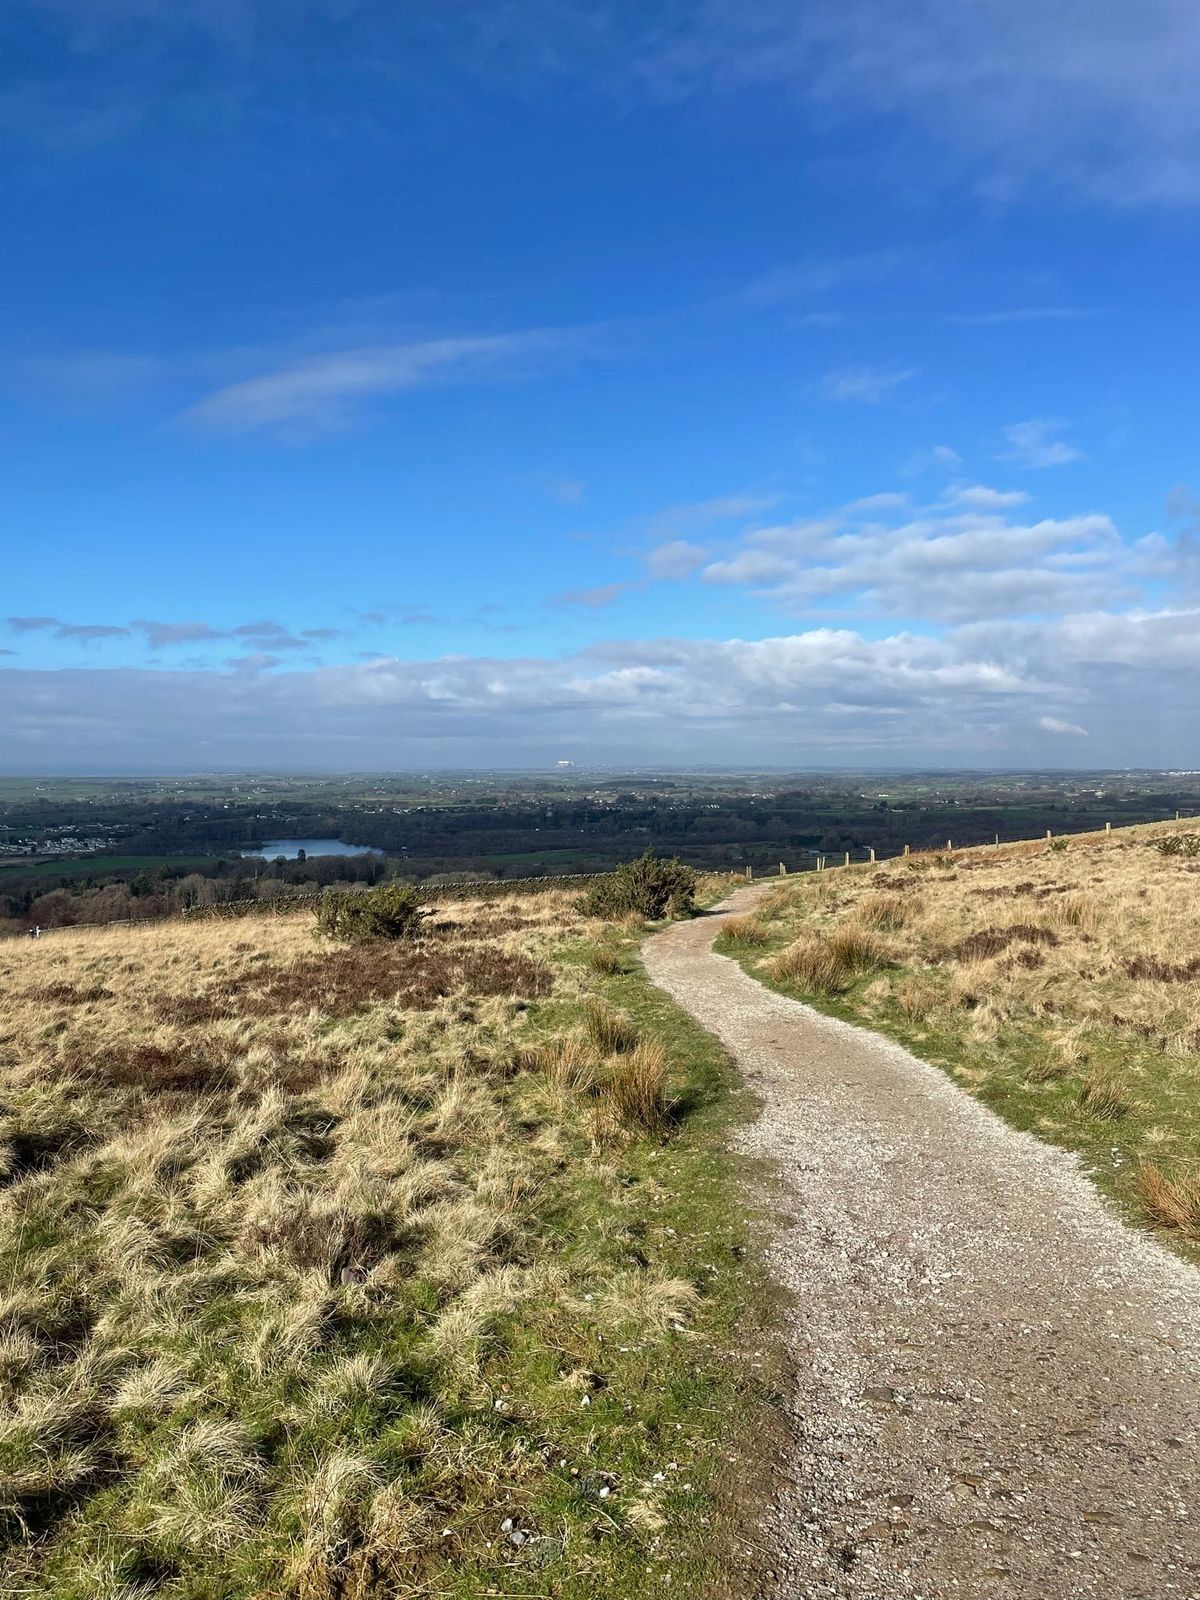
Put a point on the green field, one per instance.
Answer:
(95, 866)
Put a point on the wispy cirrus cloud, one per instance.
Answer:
(1093, 97)
(865, 385)
(328, 390)
(696, 515)
(1018, 314)
(817, 275)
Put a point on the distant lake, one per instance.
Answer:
(290, 848)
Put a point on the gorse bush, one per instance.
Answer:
(392, 911)
(648, 887)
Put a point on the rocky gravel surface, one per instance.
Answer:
(995, 1384)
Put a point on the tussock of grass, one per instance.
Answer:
(633, 1095)
(611, 1032)
(606, 961)
(1172, 1200)
(747, 930)
(828, 962)
(1102, 1096)
(885, 910)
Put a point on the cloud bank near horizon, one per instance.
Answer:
(992, 693)
(962, 629)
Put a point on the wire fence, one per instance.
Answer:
(801, 861)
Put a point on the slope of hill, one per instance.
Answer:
(1059, 981)
(335, 1271)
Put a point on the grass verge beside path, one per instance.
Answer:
(336, 1272)
(1057, 981)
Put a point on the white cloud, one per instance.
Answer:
(990, 692)
(323, 391)
(751, 566)
(878, 502)
(678, 559)
(867, 385)
(978, 497)
(940, 456)
(1032, 443)
(698, 515)
(953, 563)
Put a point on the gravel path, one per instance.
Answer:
(995, 1383)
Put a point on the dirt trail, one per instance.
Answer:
(995, 1383)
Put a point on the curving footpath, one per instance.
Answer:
(995, 1384)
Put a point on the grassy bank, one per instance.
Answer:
(1058, 981)
(404, 1270)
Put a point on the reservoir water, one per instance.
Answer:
(290, 849)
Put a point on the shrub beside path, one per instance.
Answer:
(994, 1384)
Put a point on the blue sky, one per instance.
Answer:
(482, 384)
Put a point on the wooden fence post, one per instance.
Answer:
(782, 870)
(907, 849)
(1108, 827)
(749, 874)
(872, 848)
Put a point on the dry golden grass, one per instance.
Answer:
(265, 1208)
(745, 930)
(633, 1092)
(886, 910)
(1172, 1200)
(1064, 979)
(828, 962)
